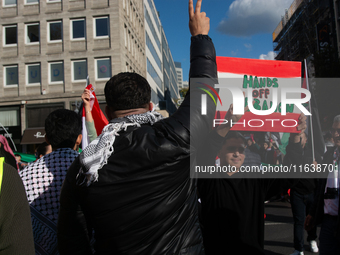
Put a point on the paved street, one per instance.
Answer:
(279, 229)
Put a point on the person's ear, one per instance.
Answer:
(80, 136)
(46, 140)
(150, 106)
(78, 141)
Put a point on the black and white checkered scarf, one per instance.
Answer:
(96, 154)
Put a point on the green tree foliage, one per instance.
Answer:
(183, 92)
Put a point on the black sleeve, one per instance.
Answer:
(73, 232)
(317, 206)
(294, 156)
(202, 67)
(209, 149)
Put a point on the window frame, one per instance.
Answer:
(72, 69)
(50, 82)
(4, 35)
(26, 35)
(53, 1)
(37, 2)
(5, 76)
(96, 68)
(26, 74)
(71, 29)
(9, 5)
(49, 31)
(95, 27)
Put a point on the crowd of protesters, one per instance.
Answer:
(130, 191)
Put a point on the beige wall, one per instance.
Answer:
(126, 29)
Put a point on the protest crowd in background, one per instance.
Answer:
(121, 182)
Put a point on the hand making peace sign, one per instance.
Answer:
(198, 22)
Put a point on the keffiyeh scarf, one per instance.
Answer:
(97, 153)
(42, 180)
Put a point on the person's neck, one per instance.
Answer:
(122, 113)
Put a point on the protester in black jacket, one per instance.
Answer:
(301, 195)
(233, 202)
(132, 185)
(325, 209)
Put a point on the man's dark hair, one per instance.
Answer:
(127, 91)
(62, 128)
(236, 135)
(42, 149)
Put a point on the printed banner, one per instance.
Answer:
(273, 87)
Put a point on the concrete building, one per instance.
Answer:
(171, 92)
(161, 71)
(185, 84)
(48, 49)
(153, 49)
(179, 72)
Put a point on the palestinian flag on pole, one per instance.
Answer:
(98, 116)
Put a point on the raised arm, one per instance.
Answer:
(203, 72)
(87, 105)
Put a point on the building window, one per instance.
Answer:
(11, 75)
(9, 116)
(8, 3)
(32, 1)
(155, 15)
(128, 38)
(153, 51)
(103, 68)
(56, 72)
(152, 28)
(78, 29)
(125, 35)
(33, 74)
(32, 33)
(55, 31)
(36, 114)
(10, 35)
(52, 1)
(79, 70)
(101, 26)
(153, 73)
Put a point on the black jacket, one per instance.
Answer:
(317, 210)
(233, 206)
(144, 201)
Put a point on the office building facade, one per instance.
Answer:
(50, 47)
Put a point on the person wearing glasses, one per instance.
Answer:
(325, 209)
(233, 205)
